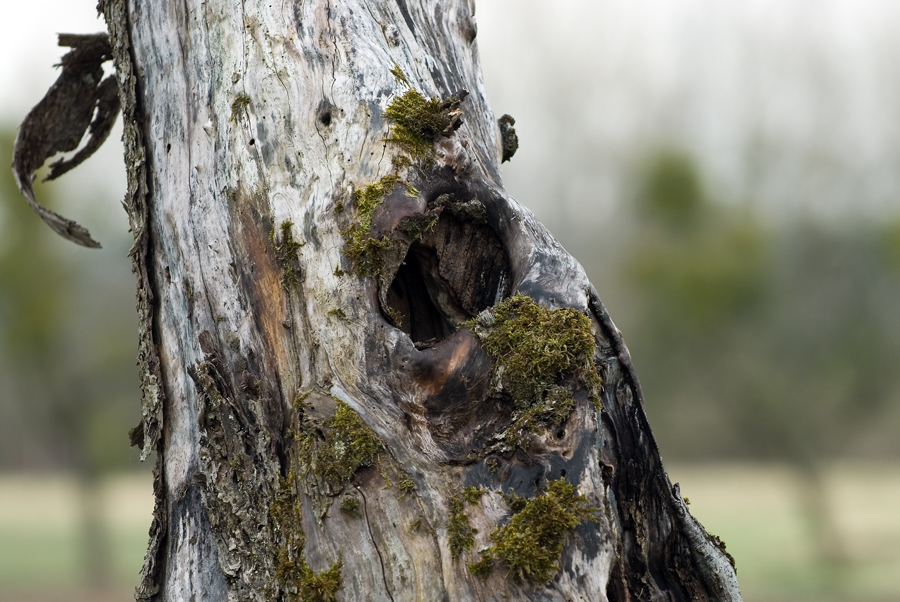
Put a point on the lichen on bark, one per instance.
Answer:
(255, 513)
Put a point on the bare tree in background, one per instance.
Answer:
(368, 373)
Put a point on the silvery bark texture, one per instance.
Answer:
(250, 124)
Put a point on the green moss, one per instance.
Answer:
(532, 349)
(364, 251)
(350, 505)
(367, 198)
(300, 402)
(337, 312)
(721, 546)
(395, 316)
(367, 254)
(419, 121)
(530, 545)
(459, 531)
(348, 445)
(473, 494)
(287, 254)
(406, 486)
(293, 574)
(238, 106)
(397, 72)
(514, 501)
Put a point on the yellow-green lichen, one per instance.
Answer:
(348, 445)
(295, 578)
(532, 349)
(287, 254)
(530, 545)
(459, 532)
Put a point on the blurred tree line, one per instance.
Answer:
(753, 340)
(756, 340)
(68, 380)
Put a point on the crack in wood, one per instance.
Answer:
(375, 543)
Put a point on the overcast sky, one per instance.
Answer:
(793, 102)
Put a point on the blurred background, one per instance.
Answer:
(728, 173)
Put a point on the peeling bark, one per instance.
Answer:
(249, 129)
(58, 123)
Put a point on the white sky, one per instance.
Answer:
(793, 102)
(28, 47)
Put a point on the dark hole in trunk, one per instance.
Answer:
(458, 269)
(410, 298)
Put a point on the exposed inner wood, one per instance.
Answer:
(458, 269)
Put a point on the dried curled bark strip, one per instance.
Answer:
(107, 111)
(59, 121)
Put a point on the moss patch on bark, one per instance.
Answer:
(417, 122)
(346, 445)
(530, 545)
(532, 350)
(459, 532)
(297, 580)
(365, 251)
(286, 254)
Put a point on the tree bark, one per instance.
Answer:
(253, 133)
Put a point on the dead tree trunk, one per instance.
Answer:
(368, 373)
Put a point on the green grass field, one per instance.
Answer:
(756, 511)
(754, 508)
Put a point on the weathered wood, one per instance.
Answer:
(252, 129)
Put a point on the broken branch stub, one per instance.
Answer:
(59, 121)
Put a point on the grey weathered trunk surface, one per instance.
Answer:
(252, 130)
